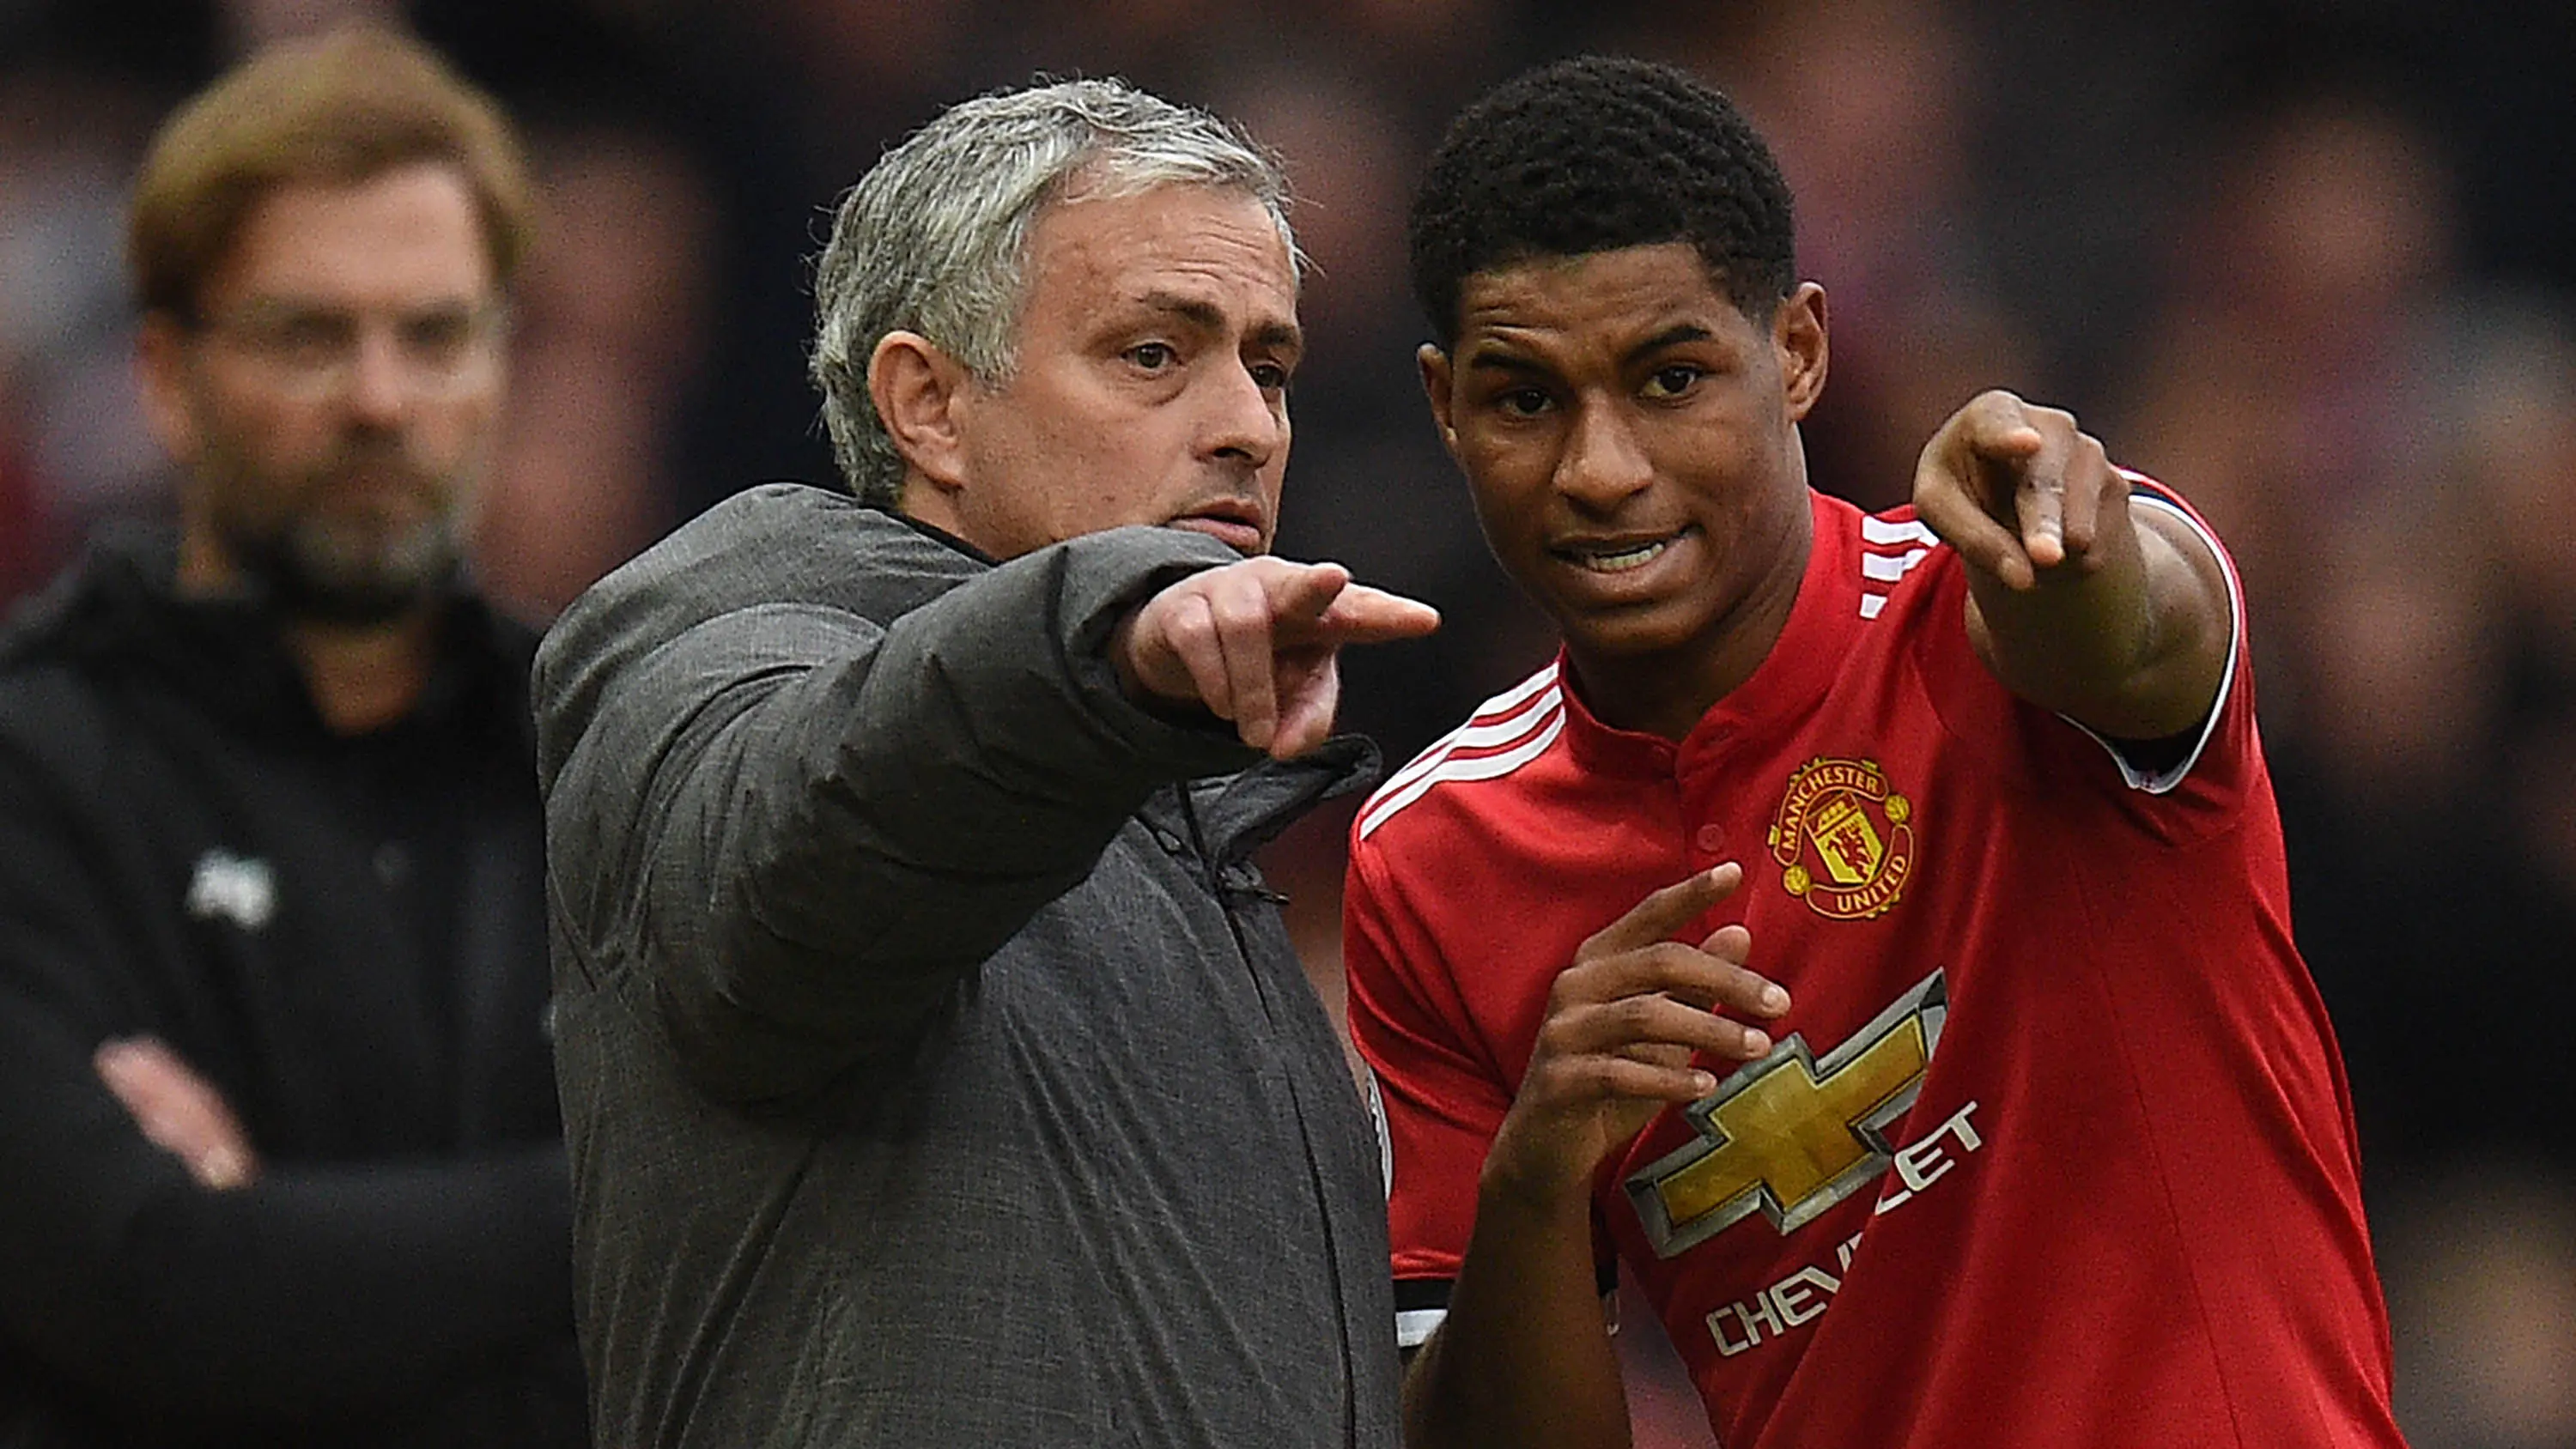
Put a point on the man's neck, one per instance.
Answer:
(363, 679)
(362, 676)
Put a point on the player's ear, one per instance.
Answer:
(1436, 378)
(1798, 335)
(921, 394)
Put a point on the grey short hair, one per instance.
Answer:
(933, 239)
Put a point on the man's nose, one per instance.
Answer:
(1244, 420)
(381, 380)
(1603, 461)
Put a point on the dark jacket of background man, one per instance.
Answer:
(344, 936)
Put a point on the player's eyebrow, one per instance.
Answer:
(1673, 336)
(1492, 357)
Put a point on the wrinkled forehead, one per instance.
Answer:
(1218, 243)
(1104, 177)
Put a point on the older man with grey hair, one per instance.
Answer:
(935, 1065)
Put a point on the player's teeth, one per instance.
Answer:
(1624, 559)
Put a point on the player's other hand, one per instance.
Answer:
(1628, 1025)
(2019, 490)
(178, 1111)
(1256, 643)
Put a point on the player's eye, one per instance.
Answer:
(1270, 376)
(1153, 356)
(1522, 402)
(1666, 383)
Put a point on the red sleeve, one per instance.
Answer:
(2175, 799)
(2227, 743)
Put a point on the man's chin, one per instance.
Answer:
(345, 585)
(355, 606)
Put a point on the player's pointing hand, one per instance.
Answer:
(2019, 490)
(1256, 642)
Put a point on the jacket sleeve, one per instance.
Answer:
(315, 1289)
(840, 820)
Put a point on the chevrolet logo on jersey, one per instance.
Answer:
(1792, 1135)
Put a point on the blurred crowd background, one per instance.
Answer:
(2311, 261)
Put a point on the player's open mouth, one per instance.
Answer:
(1617, 556)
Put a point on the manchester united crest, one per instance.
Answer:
(1843, 839)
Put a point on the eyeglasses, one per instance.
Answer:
(313, 351)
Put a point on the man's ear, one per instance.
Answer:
(1435, 386)
(161, 367)
(1798, 331)
(918, 390)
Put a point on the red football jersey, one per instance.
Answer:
(2054, 1148)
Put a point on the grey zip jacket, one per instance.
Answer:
(935, 1066)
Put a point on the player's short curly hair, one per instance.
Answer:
(1595, 154)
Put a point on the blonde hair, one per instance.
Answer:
(338, 109)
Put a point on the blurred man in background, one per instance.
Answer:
(936, 1066)
(275, 1095)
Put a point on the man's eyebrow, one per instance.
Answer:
(1197, 311)
(1279, 337)
(289, 304)
(1208, 317)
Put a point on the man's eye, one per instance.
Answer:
(1270, 377)
(1153, 356)
(302, 337)
(1522, 402)
(439, 334)
(1672, 382)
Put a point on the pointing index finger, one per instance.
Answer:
(1373, 616)
(1666, 911)
(1308, 590)
(2023, 474)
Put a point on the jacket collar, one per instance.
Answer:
(1242, 812)
(117, 612)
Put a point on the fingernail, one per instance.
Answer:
(1703, 1083)
(1774, 999)
(1756, 1042)
(224, 1168)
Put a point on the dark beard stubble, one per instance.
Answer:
(315, 566)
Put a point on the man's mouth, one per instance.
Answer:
(1616, 555)
(1237, 526)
